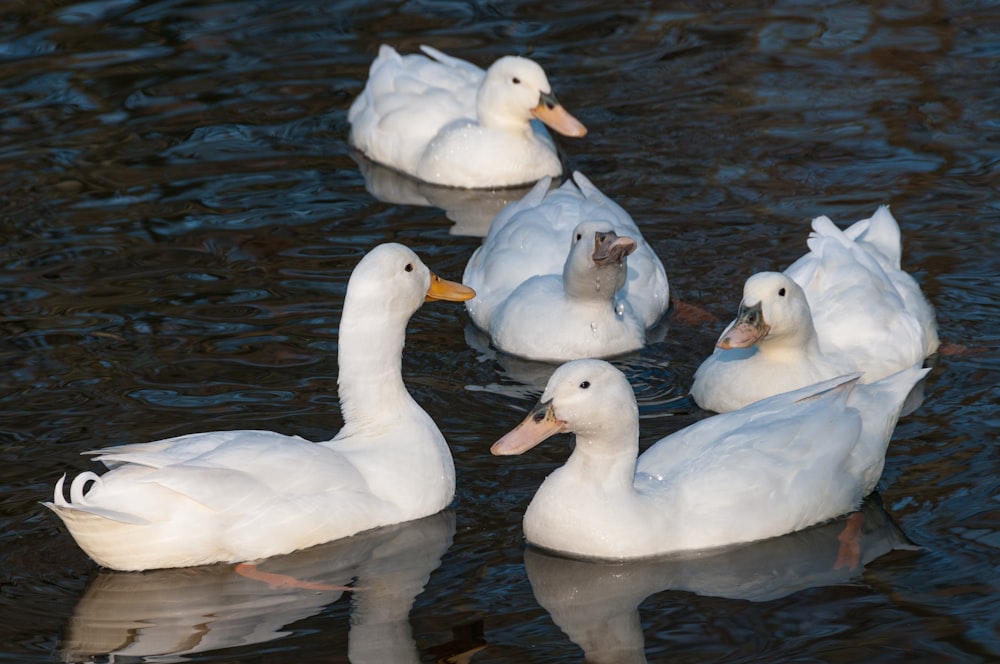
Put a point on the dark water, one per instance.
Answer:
(180, 213)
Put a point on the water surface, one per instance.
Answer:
(180, 213)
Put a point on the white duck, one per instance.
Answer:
(771, 347)
(554, 318)
(446, 121)
(229, 496)
(863, 303)
(845, 306)
(530, 237)
(775, 467)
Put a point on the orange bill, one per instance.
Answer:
(552, 113)
(451, 291)
(540, 424)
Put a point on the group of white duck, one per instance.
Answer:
(808, 381)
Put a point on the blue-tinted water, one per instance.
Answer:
(179, 212)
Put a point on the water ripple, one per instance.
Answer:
(181, 213)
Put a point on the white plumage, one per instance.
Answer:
(774, 467)
(845, 306)
(862, 301)
(575, 314)
(446, 121)
(230, 496)
(533, 237)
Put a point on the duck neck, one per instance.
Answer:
(597, 285)
(607, 465)
(370, 380)
(516, 126)
(792, 346)
(492, 112)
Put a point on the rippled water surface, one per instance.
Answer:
(180, 213)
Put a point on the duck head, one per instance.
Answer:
(596, 266)
(588, 397)
(774, 309)
(515, 90)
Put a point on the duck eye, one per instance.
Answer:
(579, 236)
(515, 80)
(781, 292)
(409, 267)
(585, 384)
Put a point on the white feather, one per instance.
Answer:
(448, 122)
(774, 467)
(229, 496)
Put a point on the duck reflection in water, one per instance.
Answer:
(597, 604)
(471, 210)
(173, 613)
